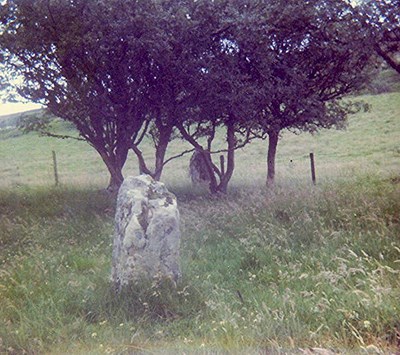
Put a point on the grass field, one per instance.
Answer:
(301, 267)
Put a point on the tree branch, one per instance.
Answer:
(143, 133)
(388, 59)
(142, 164)
(178, 155)
(48, 134)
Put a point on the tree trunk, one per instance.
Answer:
(227, 175)
(209, 165)
(143, 169)
(213, 185)
(161, 149)
(115, 163)
(116, 180)
(388, 58)
(273, 137)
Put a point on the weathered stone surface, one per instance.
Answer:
(197, 169)
(147, 234)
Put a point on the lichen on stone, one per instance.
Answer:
(147, 235)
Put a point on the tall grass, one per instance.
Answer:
(301, 267)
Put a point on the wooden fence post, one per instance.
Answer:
(55, 167)
(313, 178)
(222, 164)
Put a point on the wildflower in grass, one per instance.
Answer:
(367, 324)
(251, 276)
(94, 335)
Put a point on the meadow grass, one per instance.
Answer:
(297, 268)
(263, 271)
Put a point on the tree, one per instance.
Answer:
(87, 62)
(223, 92)
(304, 57)
(192, 87)
(118, 70)
(187, 86)
(170, 82)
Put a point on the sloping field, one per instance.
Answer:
(370, 144)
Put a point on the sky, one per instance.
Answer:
(8, 108)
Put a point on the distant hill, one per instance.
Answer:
(11, 120)
(385, 81)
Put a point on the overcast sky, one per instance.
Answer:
(6, 109)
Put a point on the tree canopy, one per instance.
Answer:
(87, 62)
(304, 58)
(119, 70)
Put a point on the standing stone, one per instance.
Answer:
(198, 169)
(147, 235)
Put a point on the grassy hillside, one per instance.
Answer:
(285, 271)
(12, 120)
(370, 144)
(385, 80)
